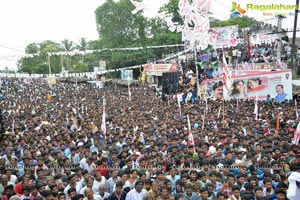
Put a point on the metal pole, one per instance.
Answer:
(223, 117)
(49, 64)
(294, 49)
(195, 52)
(279, 29)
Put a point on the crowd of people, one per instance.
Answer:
(54, 147)
(258, 53)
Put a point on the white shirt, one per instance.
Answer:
(127, 184)
(13, 179)
(97, 184)
(293, 192)
(134, 195)
(77, 187)
(96, 197)
(212, 150)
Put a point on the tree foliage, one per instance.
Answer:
(242, 22)
(117, 28)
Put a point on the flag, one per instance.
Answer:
(138, 6)
(129, 93)
(256, 108)
(277, 122)
(279, 64)
(296, 135)
(265, 59)
(179, 106)
(219, 112)
(103, 125)
(296, 109)
(227, 81)
(191, 137)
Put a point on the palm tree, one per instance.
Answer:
(68, 46)
(82, 44)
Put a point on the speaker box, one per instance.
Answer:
(170, 81)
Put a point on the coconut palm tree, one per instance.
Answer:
(68, 46)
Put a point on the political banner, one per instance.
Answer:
(102, 66)
(277, 84)
(263, 38)
(223, 36)
(127, 75)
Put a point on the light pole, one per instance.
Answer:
(49, 64)
(294, 49)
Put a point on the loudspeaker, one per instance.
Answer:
(170, 81)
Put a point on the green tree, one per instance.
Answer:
(242, 22)
(67, 46)
(117, 26)
(172, 8)
(82, 45)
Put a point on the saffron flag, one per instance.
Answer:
(103, 125)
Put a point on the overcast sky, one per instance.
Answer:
(26, 21)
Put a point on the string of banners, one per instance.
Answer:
(77, 52)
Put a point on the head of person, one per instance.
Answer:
(218, 90)
(280, 194)
(139, 186)
(254, 82)
(236, 191)
(258, 191)
(238, 86)
(119, 187)
(279, 89)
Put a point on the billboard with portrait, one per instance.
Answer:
(127, 75)
(222, 37)
(252, 86)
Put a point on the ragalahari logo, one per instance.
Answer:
(236, 10)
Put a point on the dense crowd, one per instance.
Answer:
(53, 146)
(259, 53)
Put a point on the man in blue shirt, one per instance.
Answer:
(281, 96)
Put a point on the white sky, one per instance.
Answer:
(26, 21)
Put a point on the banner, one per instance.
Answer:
(223, 36)
(51, 80)
(262, 38)
(102, 66)
(158, 69)
(251, 85)
(127, 75)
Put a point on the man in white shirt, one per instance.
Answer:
(72, 184)
(137, 192)
(89, 195)
(99, 179)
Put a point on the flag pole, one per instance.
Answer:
(223, 101)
